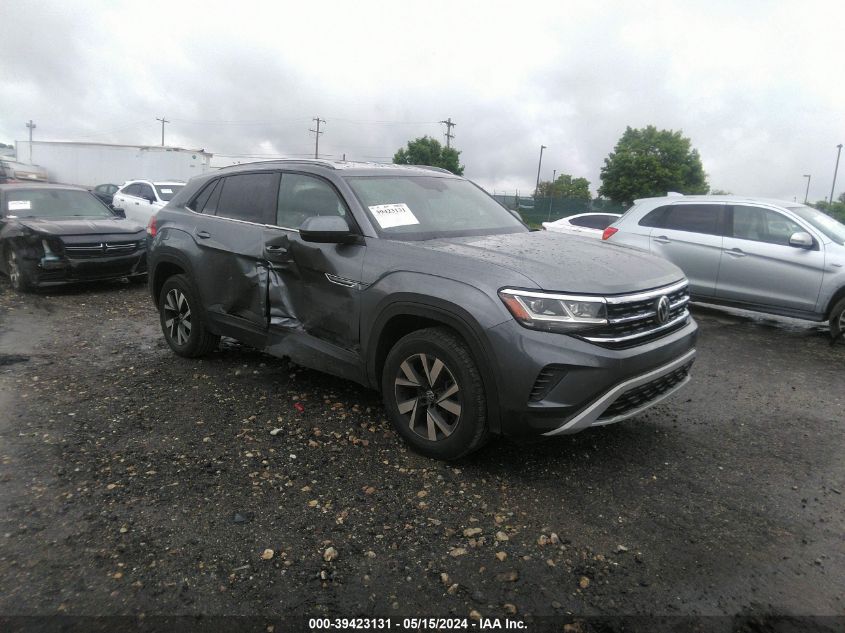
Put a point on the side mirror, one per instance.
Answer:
(327, 229)
(150, 199)
(801, 240)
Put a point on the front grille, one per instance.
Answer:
(633, 318)
(642, 395)
(102, 249)
(548, 377)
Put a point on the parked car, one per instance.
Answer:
(105, 192)
(141, 199)
(583, 224)
(758, 254)
(13, 171)
(53, 234)
(416, 282)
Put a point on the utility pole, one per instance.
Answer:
(317, 133)
(31, 127)
(807, 193)
(537, 188)
(449, 136)
(163, 121)
(835, 170)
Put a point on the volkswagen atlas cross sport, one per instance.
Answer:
(415, 282)
(765, 255)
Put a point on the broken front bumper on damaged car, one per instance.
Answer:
(558, 383)
(50, 262)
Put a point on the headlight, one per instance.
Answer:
(554, 312)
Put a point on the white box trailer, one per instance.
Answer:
(91, 164)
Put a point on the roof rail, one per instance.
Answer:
(306, 161)
(433, 168)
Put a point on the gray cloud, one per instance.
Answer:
(758, 99)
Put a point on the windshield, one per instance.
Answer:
(425, 207)
(166, 192)
(53, 203)
(832, 228)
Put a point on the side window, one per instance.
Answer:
(248, 197)
(693, 218)
(762, 225)
(302, 197)
(199, 202)
(145, 191)
(594, 221)
(132, 190)
(654, 218)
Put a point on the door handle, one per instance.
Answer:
(662, 239)
(203, 235)
(735, 252)
(276, 250)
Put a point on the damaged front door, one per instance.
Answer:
(232, 273)
(312, 288)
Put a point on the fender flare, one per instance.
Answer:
(451, 315)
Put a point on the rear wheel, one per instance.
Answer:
(434, 394)
(837, 320)
(18, 275)
(182, 321)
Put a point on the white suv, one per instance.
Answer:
(766, 255)
(141, 199)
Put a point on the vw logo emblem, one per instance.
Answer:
(663, 308)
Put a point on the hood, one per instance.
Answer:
(80, 226)
(566, 263)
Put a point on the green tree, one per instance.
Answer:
(565, 186)
(650, 162)
(429, 151)
(720, 192)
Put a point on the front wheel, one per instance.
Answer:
(434, 394)
(182, 321)
(18, 275)
(837, 320)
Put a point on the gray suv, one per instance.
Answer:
(415, 282)
(766, 255)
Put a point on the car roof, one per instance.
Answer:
(9, 186)
(719, 198)
(356, 168)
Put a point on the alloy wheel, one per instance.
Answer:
(177, 316)
(428, 396)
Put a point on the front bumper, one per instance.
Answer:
(552, 384)
(48, 272)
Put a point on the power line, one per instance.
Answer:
(163, 121)
(449, 135)
(317, 133)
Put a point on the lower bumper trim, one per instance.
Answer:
(592, 415)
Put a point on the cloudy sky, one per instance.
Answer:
(756, 85)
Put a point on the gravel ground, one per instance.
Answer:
(135, 482)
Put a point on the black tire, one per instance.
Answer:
(432, 388)
(182, 319)
(19, 277)
(837, 320)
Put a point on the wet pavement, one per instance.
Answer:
(136, 482)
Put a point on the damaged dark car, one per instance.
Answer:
(56, 234)
(415, 282)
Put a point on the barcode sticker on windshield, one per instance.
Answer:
(391, 215)
(163, 190)
(20, 205)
